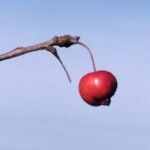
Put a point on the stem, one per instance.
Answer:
(53, 50)
(91, 55)
(68, 76)
(61, 41)
(58, 58)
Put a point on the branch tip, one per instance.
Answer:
(65, 41)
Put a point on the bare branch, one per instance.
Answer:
(61, 41)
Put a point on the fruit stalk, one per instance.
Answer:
(90, 52)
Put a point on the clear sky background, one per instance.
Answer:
(40, 109)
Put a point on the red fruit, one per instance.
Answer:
(96, 88)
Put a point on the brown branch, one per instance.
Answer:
(61, 41)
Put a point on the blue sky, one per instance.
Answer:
(40, 109)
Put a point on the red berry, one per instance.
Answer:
(96, 88)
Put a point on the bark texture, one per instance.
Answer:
(61, 41)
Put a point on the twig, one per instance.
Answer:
(61, 41)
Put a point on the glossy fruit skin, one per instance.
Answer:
(96, 88)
